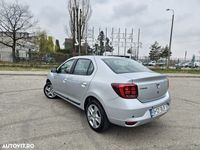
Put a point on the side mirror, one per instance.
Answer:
(54, 70)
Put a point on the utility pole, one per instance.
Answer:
(79, 33)
(132, 44)
(125, 35)
(93, 35)
(199, 56)
(86, 40)
(106, 32)
(77, 28)
(138, 44)
(74, 31)
(170, 41)
(118, 41)
(106, 38)
(112, 37)
(93, 42)
(185, 56)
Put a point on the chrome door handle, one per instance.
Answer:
(84, 84)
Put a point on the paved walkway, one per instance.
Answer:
(25, 73)
(181, 75)
(26, 115)
(44, 73)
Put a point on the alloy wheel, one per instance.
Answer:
(49, 91)
(94, 116)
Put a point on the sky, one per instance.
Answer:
(148, 15)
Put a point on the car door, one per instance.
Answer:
(80, 79)
(62, 76)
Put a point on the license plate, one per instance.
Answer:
(157, 111)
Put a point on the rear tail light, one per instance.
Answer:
(126, 90)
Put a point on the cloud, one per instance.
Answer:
(101, 1)
(128, 9)
(51, 16)
(149, 15)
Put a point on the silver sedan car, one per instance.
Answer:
(110, 90)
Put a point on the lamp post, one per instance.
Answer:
(170, 41)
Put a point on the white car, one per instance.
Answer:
(110, 90)
(196, 64)
(152, 63)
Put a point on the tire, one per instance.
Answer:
(48, 91)
(103, 123)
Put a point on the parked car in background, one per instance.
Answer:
(145, 63)
(196, 64)
(110, 90)
(187, 65)
(183, 65)
(152, 63)
(161, 63)
(179, 65)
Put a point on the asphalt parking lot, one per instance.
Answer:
(27, 116)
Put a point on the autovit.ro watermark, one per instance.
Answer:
(17, 146)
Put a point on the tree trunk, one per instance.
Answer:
(13, 52)
(74, 31)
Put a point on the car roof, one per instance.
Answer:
(97, 57)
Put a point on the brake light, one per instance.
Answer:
(126, 90)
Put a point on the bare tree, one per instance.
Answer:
(15, 21)
(80, 12)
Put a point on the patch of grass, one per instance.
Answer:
(22, 69)
(47, 67)
(25, 67)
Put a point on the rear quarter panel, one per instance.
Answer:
(100, 86)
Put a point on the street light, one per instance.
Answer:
(170, 42)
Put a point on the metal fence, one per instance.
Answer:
(34, 57)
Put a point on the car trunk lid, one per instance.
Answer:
(151, 86)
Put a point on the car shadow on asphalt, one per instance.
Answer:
(149, 127)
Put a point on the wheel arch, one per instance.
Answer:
(106, 121)
(48, 81)
(87, 100)
(90, 98)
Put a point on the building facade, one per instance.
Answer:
(23, 49)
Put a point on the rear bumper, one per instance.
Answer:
(120, 111)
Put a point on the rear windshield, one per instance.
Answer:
(124, 65)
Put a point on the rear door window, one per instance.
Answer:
(83, 67)
(124, 65)
(90, 69)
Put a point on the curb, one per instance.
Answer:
(45, 74)
(5, 74)
(177, 76)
